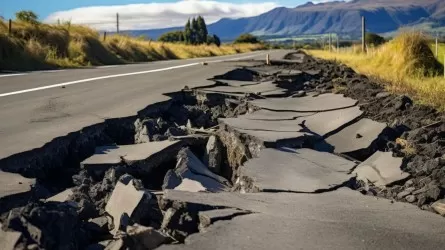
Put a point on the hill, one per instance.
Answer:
(383, 16)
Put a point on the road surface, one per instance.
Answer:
(37, 107)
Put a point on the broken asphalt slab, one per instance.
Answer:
(315, 124)
(325, 102)
(301, 170)
(15, 190)
(260, 88)
(264, 114)
(14, 184)
(144, 156)
(356, 137)
(381, 169)
(342, 219)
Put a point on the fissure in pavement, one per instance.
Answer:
(260, 129)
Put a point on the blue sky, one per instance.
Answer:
(139, 13)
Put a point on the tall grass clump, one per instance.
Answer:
(405, 64)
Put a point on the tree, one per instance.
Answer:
(246, 38)
(172, 37)
(27, 16)
(213, 39)
(188, 33)
(194, 39)
(201, 30)
(374, 39)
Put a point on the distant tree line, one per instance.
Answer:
(195, 32)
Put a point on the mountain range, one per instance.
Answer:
(382, 16)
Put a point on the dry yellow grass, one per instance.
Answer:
(48, 46)
(406, 64)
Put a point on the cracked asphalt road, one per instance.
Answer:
(29, 120)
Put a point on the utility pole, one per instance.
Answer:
(117, 22)
(338, 43)
(363, 34)
(330, 42)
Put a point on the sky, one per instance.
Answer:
(140, 14)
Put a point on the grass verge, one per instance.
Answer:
(43, 46)
(405, 65)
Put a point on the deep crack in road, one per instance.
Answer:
(302, 153)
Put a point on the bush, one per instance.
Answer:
(27, 16)
(213, 39)
(172, 37)
(374, 39)
(247, 38)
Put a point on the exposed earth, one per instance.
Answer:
(302, 153)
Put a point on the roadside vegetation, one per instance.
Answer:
(33, 45)
(406, 64)
(195, 33)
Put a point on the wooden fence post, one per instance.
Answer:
(437, 47)
(105, 35)
(267, 59)
(363, 34)
(117, 22)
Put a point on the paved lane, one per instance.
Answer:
(31, 119)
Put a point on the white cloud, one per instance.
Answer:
(158, 15)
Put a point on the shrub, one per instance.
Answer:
(246, 38)
(374, 39)
(27, 16)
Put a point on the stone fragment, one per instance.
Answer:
(9, 239)
(127, 202)
(102, 222)
(213, 155)
(434, 192)
(381, 169)
(145, 130)
(49, 225)
(179, 223)
(299, 93)
(61, 197)
(117, 245)
(439, 207)
(194, 176)
(383, 94)
(144, 237)
(406, 192)
(410, 198)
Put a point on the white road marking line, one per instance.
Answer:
(95, 79)
(114, 76)
(19, 74)
(106, 67)
(51, 71)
